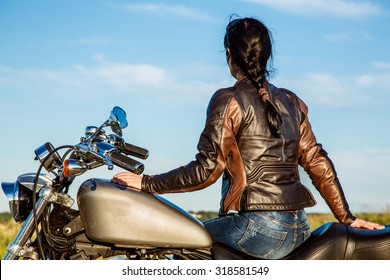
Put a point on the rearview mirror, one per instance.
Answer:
(117, 120)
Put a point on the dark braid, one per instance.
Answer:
(250, 48)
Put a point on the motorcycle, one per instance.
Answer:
(116, 222)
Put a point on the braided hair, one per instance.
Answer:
(248, 43)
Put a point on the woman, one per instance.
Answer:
(256, 135)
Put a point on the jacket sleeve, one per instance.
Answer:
(213, 146)
(315, 161)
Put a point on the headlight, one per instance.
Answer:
(20, 200)
(20, 194)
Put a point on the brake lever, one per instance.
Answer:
(109, 163)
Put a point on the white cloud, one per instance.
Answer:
(147, 80)
(118, 77)
(125, 76)
(382, 65)
(177, 10)
(327, 89)
(378, 80)
(339, 8)
(361, 168)
(91, 41)
(32, 79)
(350, 37)
(364, 177)
(115, 79)
(338, 37)
(365, 80)
(323, 89)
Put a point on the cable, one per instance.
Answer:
(34, 194)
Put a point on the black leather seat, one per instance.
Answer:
(331, 241)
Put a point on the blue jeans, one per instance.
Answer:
(262, 234)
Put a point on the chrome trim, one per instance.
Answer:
(58, 198)
(28, 180)
(8, 190)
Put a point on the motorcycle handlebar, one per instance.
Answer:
(133, 150)
(127, 163)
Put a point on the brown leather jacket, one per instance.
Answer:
(260, 172)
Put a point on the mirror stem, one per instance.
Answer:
(95, 133)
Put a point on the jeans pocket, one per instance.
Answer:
(305, 230)
(260, 241)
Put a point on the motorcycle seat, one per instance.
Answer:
(331, 241)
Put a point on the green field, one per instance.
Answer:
(9, 228)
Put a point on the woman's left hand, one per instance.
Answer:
(128, 179)
(360, 223)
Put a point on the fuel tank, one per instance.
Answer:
(114, 214)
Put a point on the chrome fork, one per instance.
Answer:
(18, 248)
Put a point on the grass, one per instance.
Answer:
(9, 228)
(318, 219)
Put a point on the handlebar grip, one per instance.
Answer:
(127, 163)
(132, 150)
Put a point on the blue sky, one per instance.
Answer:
(65, 64)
